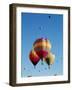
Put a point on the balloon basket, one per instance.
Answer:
(49, 66)
(42, 63)
(34, 67)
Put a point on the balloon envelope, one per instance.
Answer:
(34, 58)
(42, 53)
(50, 59)
(42, 46)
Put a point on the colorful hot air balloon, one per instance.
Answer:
(41, 50)
(50, 59)
(34, 57)
(41, 47)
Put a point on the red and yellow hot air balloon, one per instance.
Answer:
(41, 47)
(34, 58)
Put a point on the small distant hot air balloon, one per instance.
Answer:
(41, 47)
(49, 59)
(34, 58)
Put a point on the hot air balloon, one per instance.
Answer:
(34, 58)
(49, 59)
(41, 47)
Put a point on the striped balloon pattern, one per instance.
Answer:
(41, 51)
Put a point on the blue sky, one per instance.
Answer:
(35, 26)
